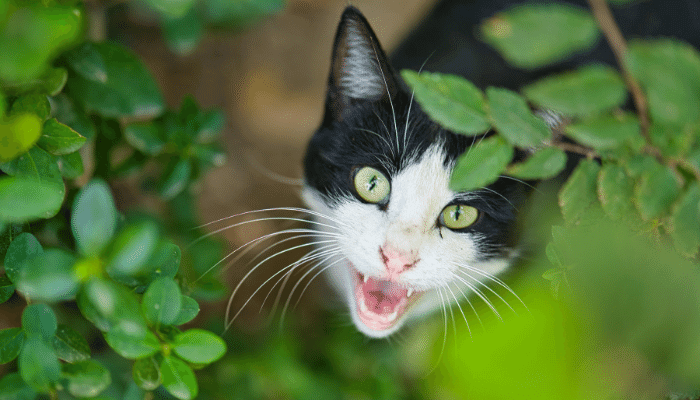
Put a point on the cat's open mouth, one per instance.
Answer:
(381, 303)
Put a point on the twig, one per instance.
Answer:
(617, 43)
(575, 148)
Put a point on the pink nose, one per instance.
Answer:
(396, 261)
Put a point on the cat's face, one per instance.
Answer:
(403, 243)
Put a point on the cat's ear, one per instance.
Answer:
(359, 69)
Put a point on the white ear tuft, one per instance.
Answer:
(361, 75)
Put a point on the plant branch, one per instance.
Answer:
(575, 148)
(606, 22)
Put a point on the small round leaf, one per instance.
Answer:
(11, 341)
(94, 217)
(146, 373)
(178, 378)
(86, 378)
(162, 302)
(39, 319)
(199, 346)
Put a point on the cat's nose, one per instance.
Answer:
(396, 261)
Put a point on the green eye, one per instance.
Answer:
(458, 216)
(371, 185)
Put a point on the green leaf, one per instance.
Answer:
(59, 139)
(72, 115)
(147, 137)
(481, 165)
(589, 90)
(18, 134)
(50, 83)
(86, 378)
(26, 199)
(33, 35)
(6, 288)
(655, 191)
(615, 191)
(178, 378)
(126, 89)
(93, 217)
(535, 35)
(38, 364)
(189, 310)
(199, 346)
(211, 123)
(545, 163)
(669, 72)
(39, 319)
(162, 302)
(605, 132)
(131, 348)
(71, 165)
(11, 341)
(183, 34)
(449, 100)
(146, 373)
(23, 247)
(240, 14)
(48, 276)
(171, 8)
(70, 346)
(175, 178)
(110, 306)
(579, 191)
(37, 104)
(513, 119)
(166, 258)
(686, 221)
(12, 387)
(128, 254)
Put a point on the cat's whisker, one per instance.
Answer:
(389, 95)
(388, 132)
(386, 141)
(466, 297)
(444, 337)
(479, 293)
(311, 280)
(467, 275)
(520, 181)
(460, 309)
(452, 315)
(499, 194)
(263, 251)
(493, 278)
(295, 209)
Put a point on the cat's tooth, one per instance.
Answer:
(410, 292)
(393, 315)
(366, 278)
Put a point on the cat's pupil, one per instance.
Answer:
(457, 213)
(372, 183)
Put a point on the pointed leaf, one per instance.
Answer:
(589, 90)
(686, 221)
(606, 132)
(7, 289)
(176, 178)
(615, 191)
(545, 163)
(93, 217)
(39, 319)
(147, 137)
(146, 373)
(70, 346)
(189, 310)
(199, 346)
(183, 34)
(59, 139)
(178, 378)
(579, 191)
(24, 246)
(71, 165)
(482, 164)
(449, 100)
(162, 302)
(68, 113)
(11, 341)
(513, 119)
(128, 254)
(87, 378)
(656, 191)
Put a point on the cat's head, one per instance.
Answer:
(401, 243)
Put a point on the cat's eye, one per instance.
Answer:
(371, 185)
(458, 216)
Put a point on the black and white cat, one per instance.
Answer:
(377, 173)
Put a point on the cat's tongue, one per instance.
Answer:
(380, 302)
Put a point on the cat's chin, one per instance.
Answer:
(380, 305)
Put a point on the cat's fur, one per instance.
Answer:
(399, 247)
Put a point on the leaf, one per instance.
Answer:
(615, 191)
(481, 165)
(86, 378)
(147, 137)
(27, 199)
(48, 276)
(535, 35)
(162, 302)
(11, 340)
(33, 35)
(669, 72)
(656, 189)
(37, 164)
(12, 387)
(513, 119)
(72, 115)
(131, 249)
(240, 14)
(70, 346)
(178, 378)
(18, 134)
(543, 164)
(171, 8)
(39, 319)
(71, 165)
(189, 310)
(588, 90)
(211, 123)
(93, 218)
(449, 100)
(7, 289)
(110, 306)
(24, 246)
(59, 139)
(49, 83)
(183, 34)
(686, 221)
(146, 373)
(605, 132)
(37, 104)
(38, 364)
(175, 178)
(131, 348)
(199, 346)
(579, 191)
(127, 90)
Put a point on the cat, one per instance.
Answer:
(377, 176)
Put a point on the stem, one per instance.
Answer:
(606, 22)
(575, 148)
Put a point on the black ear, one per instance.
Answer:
(360, 70)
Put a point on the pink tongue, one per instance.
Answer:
(382, 296)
